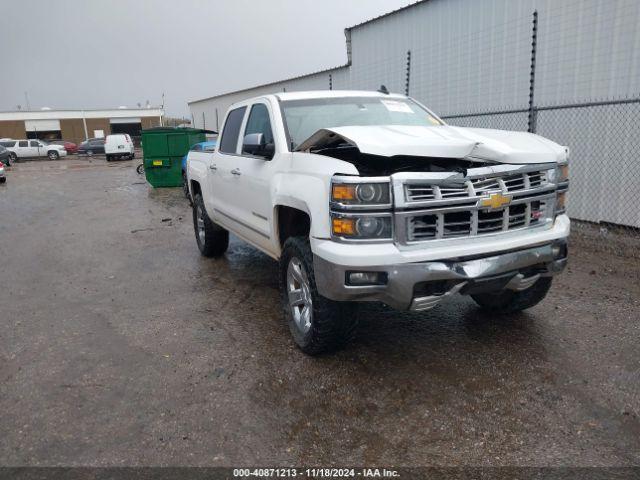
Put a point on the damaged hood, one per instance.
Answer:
(440, 141)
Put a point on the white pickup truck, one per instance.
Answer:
(365, 196)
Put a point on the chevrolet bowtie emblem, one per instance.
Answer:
(495, 201)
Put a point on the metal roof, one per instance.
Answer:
(379, 17)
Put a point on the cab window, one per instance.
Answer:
(259, 122)
(34, 143)
(23, 143)
(229, 139)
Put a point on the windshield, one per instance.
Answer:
(303, 118)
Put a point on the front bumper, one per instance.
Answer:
(419, 284)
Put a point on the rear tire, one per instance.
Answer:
(317, 324)
(108, 158)
(212, 239)
(509, 301)
(3, 179)
(13, 156)
(53, 155)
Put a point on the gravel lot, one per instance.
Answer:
(121, 345)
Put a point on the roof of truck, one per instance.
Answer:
(333, 94)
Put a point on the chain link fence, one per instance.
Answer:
(604, 140)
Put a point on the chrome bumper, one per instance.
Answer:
(403, 290)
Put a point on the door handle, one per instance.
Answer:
(213, 166)
(235, 171)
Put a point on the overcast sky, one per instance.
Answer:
(103, 54)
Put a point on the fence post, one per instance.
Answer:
(408, 78)
(532, 75)
(330, 82)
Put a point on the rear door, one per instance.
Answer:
(223, 203)
(27, 148)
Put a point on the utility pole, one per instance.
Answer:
(84, 123)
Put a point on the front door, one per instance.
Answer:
(250, 178)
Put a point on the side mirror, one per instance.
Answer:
(254, 144)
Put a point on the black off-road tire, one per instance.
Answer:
(333, 324)
(216, 238)
(509, 301)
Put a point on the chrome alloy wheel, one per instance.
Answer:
(200, 223)
(299, 293)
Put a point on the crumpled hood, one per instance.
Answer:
(441, 141)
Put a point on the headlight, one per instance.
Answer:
(360, 193)
(563, 172)
(560, 173)
(561, 178)
(361, 227)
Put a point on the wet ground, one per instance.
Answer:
(121, 345)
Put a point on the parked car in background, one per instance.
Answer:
(119, 145)
(3, 178)
(91, 146)
(33, 148)
(70, 147)
(208, 147)
(5, 156)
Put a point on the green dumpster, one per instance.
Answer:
(163, 149)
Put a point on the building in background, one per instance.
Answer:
(77, 125)
(568, 70)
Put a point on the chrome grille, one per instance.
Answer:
(416, 192)
(462, 223)
(449, 206)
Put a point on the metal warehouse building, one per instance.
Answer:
(566, 69)
(77, 125)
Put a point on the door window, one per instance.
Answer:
(259, 122)
(23, 143)
(229, 139)
(34, 143)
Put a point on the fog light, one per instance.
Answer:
(559, 250)
(366, 278)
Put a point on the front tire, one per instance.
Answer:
(212, 239)
(53, 155)
(317, 324)
(509, 301)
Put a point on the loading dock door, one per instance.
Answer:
(43, 129)
(132, 126)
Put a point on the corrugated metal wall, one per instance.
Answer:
(470, 56)
(474, 55)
